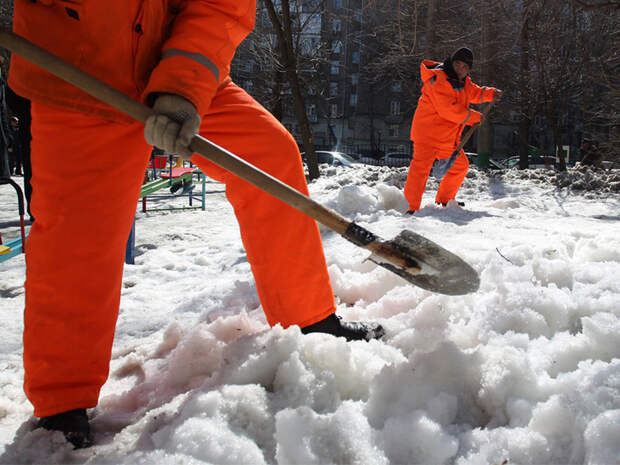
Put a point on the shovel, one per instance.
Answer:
(442, 165)
(409, 255)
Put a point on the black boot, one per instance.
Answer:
(350, 330)
(73, 424)
(460, 204)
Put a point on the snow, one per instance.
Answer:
(524, 371)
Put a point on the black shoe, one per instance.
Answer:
(175, 187)
(73, 424)
(410, 212)
(186, 186)
(460, 204)
(350, 330)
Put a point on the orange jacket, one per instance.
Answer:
(443, 108)
(137, 46)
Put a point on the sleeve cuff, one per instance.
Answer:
(182, 76)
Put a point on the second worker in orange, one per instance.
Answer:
(441, 115)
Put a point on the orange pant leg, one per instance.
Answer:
(87, 173)
(84, 202)
(419, 169)
(451, 182)
(283, 246)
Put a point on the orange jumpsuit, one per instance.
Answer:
(84, 200)
(442, 114)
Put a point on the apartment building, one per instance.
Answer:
(347, 107)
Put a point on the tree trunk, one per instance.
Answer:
(304, 124)
(558, 146)
(284, 32)
(430, 30)
(485, 131)
(524, 103)
(374, 144)
(277, 109)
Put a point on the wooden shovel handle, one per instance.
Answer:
(471, 130)
(200, 145)
(269, 184)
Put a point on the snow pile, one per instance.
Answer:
(526, 370)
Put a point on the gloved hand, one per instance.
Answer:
(174, 122)
(497, 95)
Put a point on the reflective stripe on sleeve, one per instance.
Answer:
(468, 115)
(197, 57)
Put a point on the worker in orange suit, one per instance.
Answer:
(175, 56)
(441, 115)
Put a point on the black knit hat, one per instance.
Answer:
(465, 55)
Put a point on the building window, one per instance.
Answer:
(397, 86)
(336, 46)
(247, 85)
(335, 67)
(337, 25)
(394, 130)
(333, 89)
(311, 112)
(309, 45)
(395, 108)
(353, 99)
(355, 79)
(337, 3)
(333, 110)
(355, 57)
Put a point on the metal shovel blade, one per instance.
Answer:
(429, 265)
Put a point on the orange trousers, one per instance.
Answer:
(87, 174)
(420, 168)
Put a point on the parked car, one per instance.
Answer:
(397, 158)
(533, 162)
(378, 160)
(332, 158)
(493, 164)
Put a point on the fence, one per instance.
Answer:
(376, 151)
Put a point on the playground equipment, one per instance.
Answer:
(180, 183)
(177, 178)
(18, 245)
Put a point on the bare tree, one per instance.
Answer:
(6, 19)
(283, 27)
(6, 13)
(525, 117)
(552, 58)
(557, 64)
(489, 61)
(600, 89)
